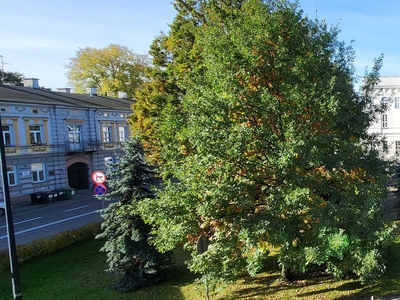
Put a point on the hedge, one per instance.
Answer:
(51, 244)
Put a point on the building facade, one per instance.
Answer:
(56, 140)
(388, 124)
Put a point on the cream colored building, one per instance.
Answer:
(388, 124)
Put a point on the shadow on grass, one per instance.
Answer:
(347, 286)
(269, 285)
(259, 286)
(157, 292)
(180, 276)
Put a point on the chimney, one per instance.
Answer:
(33, 83)
(91, 91)
(64, 90)
(122, 95)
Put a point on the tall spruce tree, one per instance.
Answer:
(274, 149)
(125, 233)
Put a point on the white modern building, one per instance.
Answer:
(388, 125)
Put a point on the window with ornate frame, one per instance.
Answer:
(7, 135)
(397, 147)
(37, 170)
(122, 133)
(74, 133)
(12, 175)
(35, 134)
(384, 121)
(106, 133)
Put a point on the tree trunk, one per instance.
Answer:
(285, 274)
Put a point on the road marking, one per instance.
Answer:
(79, 207)
(21, 222)
(49, 224)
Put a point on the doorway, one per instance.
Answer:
(78, 176)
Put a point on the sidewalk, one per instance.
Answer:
(24, 203)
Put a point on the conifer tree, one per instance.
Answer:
(125, 233)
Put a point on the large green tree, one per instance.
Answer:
(126, 235)
(274, 149)
(111, 69)
(174, 57)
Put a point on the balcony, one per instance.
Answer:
(83, 146)
(109, 146)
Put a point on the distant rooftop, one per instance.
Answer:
(29, 95)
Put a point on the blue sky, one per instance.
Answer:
(37, 38)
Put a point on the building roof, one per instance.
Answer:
(20, 94)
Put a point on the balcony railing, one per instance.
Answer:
(83, 146)
(91, 146)
(67, 147)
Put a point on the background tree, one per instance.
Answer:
(126, 235)
(111, 70)
(274, 150)
(14, 78)
(158, 92)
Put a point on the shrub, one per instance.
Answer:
(51, 244)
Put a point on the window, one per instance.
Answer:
(7, 135)
(35, 134)
(108, 160)
(74, 134)
(384, 121)
(122, 132)
(37, 172)
(397, 147)
(106, 134)
(11, 175)
(384, 100)
(397, 102)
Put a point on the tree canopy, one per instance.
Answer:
(111, 69)
(254, 114)
(13, 78)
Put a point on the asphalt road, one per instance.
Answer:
(32, 222)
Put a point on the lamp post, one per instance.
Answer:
(9, 222)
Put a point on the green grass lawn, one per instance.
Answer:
(78, 273)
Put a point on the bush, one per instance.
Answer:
(52, 244)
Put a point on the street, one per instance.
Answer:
(39, 221)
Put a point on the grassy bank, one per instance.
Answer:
(78, 273)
